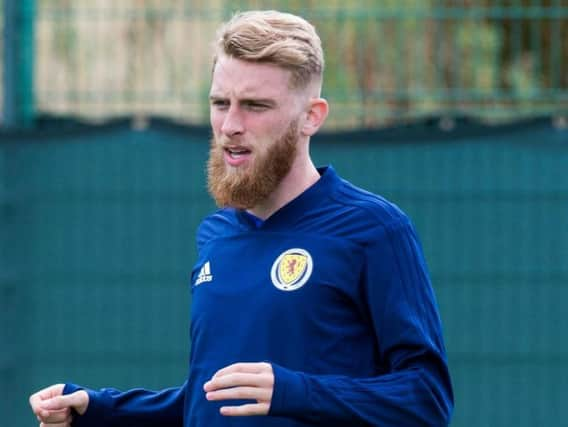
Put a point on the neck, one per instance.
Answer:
(303, 174)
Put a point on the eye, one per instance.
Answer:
(257, 106)
(220, 103)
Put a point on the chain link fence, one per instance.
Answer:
(387, 62)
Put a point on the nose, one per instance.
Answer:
(232, 122)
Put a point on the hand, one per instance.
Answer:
(53, 409)
(254, 381)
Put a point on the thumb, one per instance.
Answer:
(78, 401)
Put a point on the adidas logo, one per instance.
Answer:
(204, 274)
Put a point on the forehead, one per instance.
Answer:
(235, 77)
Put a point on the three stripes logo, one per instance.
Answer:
(204, 274)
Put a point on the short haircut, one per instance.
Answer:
(273, 37)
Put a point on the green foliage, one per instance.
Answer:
(386, 61)
(480, 45)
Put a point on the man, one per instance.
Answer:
(311, 302)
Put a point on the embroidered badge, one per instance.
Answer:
(292, 269)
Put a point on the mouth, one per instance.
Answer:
(237, 153)
(236, 156)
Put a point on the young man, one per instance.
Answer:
(311, 302)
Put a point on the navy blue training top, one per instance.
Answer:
(334, 292)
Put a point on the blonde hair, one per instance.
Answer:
(273, 37)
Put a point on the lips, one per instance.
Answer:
(235, 156)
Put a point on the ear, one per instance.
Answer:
(316, 115)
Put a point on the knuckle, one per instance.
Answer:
(33, 399)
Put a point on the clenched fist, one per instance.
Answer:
(53, 409)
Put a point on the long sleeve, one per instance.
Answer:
(412, 386)
(137, 407)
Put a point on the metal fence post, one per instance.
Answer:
(18, 111)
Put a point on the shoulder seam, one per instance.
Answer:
(401, 219)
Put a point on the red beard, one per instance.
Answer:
(246, 187)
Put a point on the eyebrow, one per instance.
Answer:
(248, 100)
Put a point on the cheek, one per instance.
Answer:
(271, 130)
(216, 120)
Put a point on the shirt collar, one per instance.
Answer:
(293, 210)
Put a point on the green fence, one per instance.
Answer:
(387, 61)
(98, 242)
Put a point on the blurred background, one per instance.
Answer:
(457, 110)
